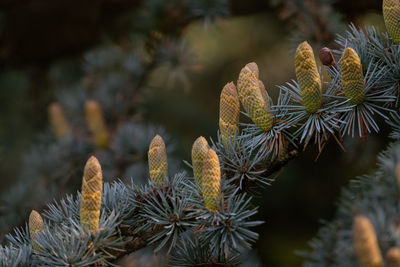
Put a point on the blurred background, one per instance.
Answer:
(158, 67)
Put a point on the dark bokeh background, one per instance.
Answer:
(182, 95)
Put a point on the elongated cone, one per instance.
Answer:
(158, 164)
(308, 77)
(96, 124)
(252, 99)
(199, 153)
(36, 225)
(92, 189)
(57, 120)
(365, 243)
(391, 16)
(393, 257)
(229, 108)
(211, 181)
(352, 77)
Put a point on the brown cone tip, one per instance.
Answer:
(92, 167)
(157, 142)
(326, 57)
(229, 88)
(254, 68)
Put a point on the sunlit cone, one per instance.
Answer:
(352, 76)
(92, 188)
(252, 99)
(158, 164)
(199, 152)
(308, 77)
(391, 16)
(36, 225)
(229, 108)
(211, 181)
(365, 243)
(57, 120)
(96, 124)
(393, 257)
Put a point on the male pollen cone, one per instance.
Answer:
(57, 120)
(393, 257)
(92, 189)
(211, 181)
(391, 16)
(366, 243)
(229, 109)
(352, 76)
(36, 225)
(158, 164)
(96, 124)
(199, 153)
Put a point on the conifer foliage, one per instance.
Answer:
(204, 217)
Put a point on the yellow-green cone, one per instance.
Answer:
(36, 225)
(391, 16)
(365, 243)
(211, 181)
(229, 108)
(199, 152)
(252, 99)
(96, 124)
(308, 77)
(393, 257)
(352, 77)
(158, 164)
(92, 189)
(57, 120)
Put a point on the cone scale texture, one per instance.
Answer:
(96, 124)
(308, 77)
(36, 225)
(229, 108)
(211, 181)
(57, 120)
(252, 99)
(158, 164)
(391, 16)
(352, 77)
(199, 153)
(92, 188)
(365, 243)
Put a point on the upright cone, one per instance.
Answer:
(158, 164)
(393, 257)
(96, 124)
(92, 189)
(308, 77)
(36, 225)
(57, 120)
(229, 108)
(391, 16)
(211, 181)
(252, 99)
(352, 77)
(199, 153)
(365, 243)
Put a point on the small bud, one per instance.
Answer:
(251, 98)
(365, 243)
(326, 57)
(158, 164)
(199, 152)
(96, 124)
(393, 257)
(308, 77)
(92, 189)
(57, 120)
(352, 77)
(36, 225)
(391, 16)
(229, 108)
(211, 181)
